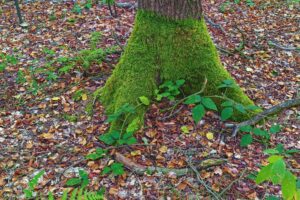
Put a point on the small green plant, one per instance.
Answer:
(71, 118)
(32, 184)
(81, 181)
(115, 168)
(263, 135)
(52, 17)
(116, 138)
(21, 77)
(88, 4)
(83, 194)
(169, 90)
(100, 153)
(6, 60)
(76, 9)
(202, 103)
(279, 149)
(277, 173)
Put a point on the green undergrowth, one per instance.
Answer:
(161, 50)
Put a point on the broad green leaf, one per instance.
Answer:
(264, 174)
(193, 99)
(274, 158)
(272, 198)
(275, 128)
(73, 182)
(115, 134)
(260, 132)
(246, 140)
(247, 128)
(117, 169)
(107, 139)
(240, 108)
(131, 140)
(180, 82)
(208, 103)
(227, 104)
(278, 171)
(280, 148)
(144, 100)
(106, 170)
(134, 125)
(93, 156)
(127, 135)
(271, 151)
(226, 113)
(298, 183)
(198, 112)
(292, 151)
(288, 185)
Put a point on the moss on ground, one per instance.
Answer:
(160, 49)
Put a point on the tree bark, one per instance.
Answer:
(173, 9)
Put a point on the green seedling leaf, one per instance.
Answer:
(260, 132)
(274, 158)
(277, 173)
(271, 151)
(226, 113)
(275, 128)
(144, 100)
(247, 128)
(117, 169)
(288, 185)
(264, 174)
(73, 182)
(193, 99)
(227, 104)
(185, 130)
(246, 140)
(208, 103)
(198, 112)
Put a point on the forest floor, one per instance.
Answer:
(44, 123)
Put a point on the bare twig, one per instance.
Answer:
(273, 110)
(201, 181)
(140, 169)
(233, 182)
(208, 20)
(273, 43)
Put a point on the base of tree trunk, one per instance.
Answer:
(161, 49)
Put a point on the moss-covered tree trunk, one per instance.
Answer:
(170, 41)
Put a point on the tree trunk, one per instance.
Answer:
(173, 9)
(170, 41)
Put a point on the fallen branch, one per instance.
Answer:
(140, 169)
(272, 43)
(273, 110)
(201, 181)
(208, 20)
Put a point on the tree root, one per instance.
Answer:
(273, 110)
(140, 169)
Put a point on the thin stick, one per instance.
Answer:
(273, 110)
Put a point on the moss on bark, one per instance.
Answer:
(164, 49)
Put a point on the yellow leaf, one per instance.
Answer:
(47, 135)
(55, 98)
(84, 97)
(163, 149)
(210, 135)
(136, 153)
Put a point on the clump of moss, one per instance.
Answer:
(161, 49)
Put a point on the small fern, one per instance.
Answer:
(82, 194)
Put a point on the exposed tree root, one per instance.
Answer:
(140, 169)
(273, 110)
